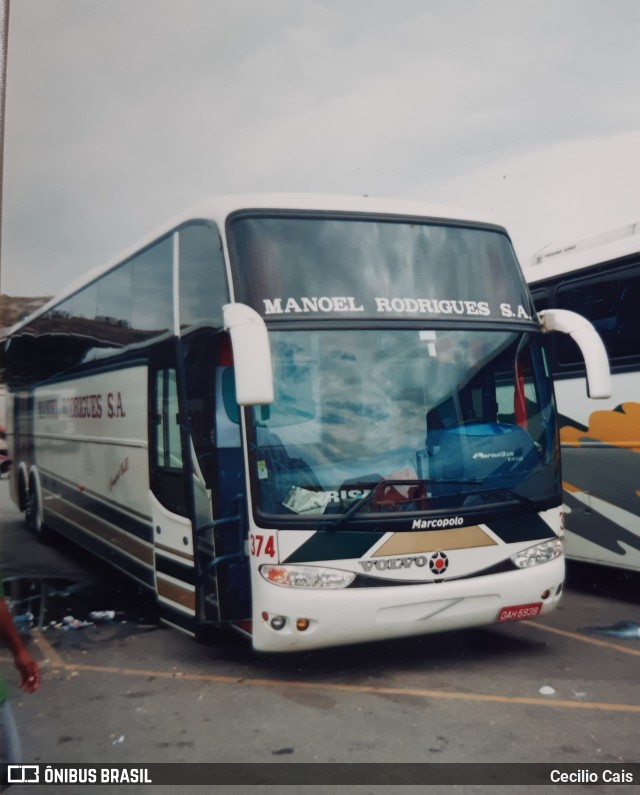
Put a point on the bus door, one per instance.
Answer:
(234, 580)
(222, 566)
(170, 506)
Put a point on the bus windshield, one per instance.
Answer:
(352, 268)
(407, 420)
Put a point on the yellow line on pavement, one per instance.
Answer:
(584, 638)
(47, 650)
(412, 692)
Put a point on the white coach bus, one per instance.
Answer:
(598, 277)
(318, 420)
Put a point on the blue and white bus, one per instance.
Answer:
(318, 420)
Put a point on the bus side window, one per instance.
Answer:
(232, 410)
(168, 450)
(610, 303)
(203, 280)
(167, 478)
(540, 299)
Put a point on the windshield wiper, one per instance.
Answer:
(352, 510)
(511, 495)
(431, 481)
(507, 494)
(360, 503)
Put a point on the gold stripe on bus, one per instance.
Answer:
(176, 593)
(172, 551)
(96, 496)
(568, 487)
(434, 540)
(107, 532)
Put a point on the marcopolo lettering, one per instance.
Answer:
(432, 524)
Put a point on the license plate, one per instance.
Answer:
(518, 612)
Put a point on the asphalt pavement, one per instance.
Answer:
(561, 690)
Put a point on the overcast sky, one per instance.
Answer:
(122, 113)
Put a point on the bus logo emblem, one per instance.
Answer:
(438, 563)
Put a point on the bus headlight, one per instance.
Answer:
(315, 577)
(540, 553)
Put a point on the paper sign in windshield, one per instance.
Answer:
(303, 501)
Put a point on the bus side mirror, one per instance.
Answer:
(591, 346)
(251, 355)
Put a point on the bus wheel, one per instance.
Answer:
(33, 512)
(23, 493)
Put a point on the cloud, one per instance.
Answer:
(562, 192)
(120, 114)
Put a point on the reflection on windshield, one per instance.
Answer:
(290, 267)
(446, 419)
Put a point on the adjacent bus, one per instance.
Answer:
(319, 421)
(598, 277)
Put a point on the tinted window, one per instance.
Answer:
(127, 305)
(540, 299)
(612, 306)
(168, 448)
(81, 305)
(296, 267)
(114, 297)
(152, 299)
(203, 282)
